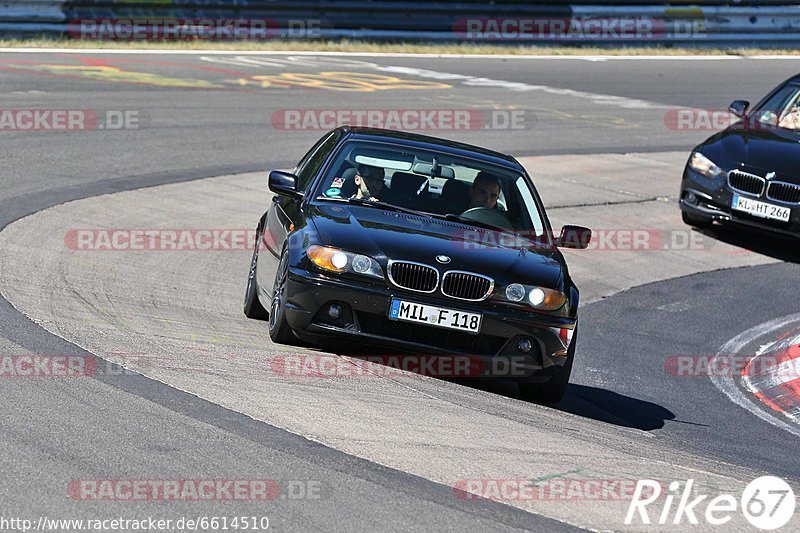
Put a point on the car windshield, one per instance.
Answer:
(781, 110)
(458, 188)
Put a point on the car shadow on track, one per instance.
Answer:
(613, 408)
(589, 402)
(598, 404)
(760, 242)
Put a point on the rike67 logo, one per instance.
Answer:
(767, 503)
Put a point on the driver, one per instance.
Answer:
(369, 181)
(485, 191)
(791, 120)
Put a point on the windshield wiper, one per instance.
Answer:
(378, 204)
(471, 222)
(392, 207)
(516, 233)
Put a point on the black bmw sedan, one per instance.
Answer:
(426, 246)
(749, 174)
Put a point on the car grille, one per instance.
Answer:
(414, 276)
(466, 286)
(784, 192)
(745, 182)
(440, 338)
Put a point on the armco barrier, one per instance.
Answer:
(711, 22)
(777, 25)
(24, 17)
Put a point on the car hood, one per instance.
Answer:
(388, 235)
(769, 150)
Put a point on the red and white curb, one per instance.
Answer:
(776, 385)
(777, 336)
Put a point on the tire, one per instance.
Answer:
(696, 221)
(552, 391)
(252, 306)
(279, 330)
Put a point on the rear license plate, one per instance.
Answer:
(435, 316)
(760, 209)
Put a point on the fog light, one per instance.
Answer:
(335, 311)
(691, 198)
(361, 263)
(524, 345)
(515, 292)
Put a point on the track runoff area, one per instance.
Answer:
(128, 218)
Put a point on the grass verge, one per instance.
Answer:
(404, 48)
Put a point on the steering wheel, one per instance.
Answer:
(487, 215)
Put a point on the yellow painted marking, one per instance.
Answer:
(107, 73)
(339, 81)
(608, 120)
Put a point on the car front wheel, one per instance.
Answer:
(279, 330)
(553, 390)
(252, 306)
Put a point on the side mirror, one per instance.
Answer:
(284, 183)
(739, 107)
(576, 237)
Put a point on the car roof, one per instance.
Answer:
(416, 140)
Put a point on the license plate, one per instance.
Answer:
(761, 209)
(435, 316)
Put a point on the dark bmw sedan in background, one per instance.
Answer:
(749, 174)
(420, 245)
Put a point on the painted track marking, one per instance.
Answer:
(727, 384)
(777, 386)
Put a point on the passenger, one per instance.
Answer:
(370, 183)
(485, 191)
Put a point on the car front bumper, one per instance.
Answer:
(714, 199)
(309, 294)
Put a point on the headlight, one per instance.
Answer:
(703, 165)
(538, 297)
(335, 260)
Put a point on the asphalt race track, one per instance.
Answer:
(186, 388)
